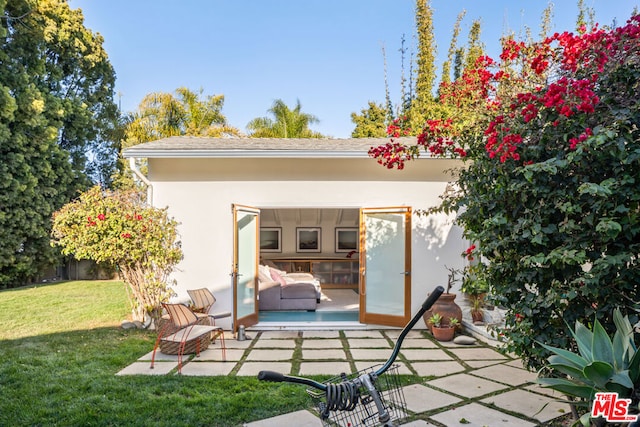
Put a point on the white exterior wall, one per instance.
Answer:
(200, 194)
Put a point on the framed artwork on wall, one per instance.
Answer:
(347, 239)
(308, 239)
(270, 239)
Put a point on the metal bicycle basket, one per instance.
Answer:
(348, 402)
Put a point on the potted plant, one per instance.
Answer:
(443, 330)
(446, 305)
(475, 286)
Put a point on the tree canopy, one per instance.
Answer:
(286, 123)
(371, 123)
(57, 119)
(161, 115)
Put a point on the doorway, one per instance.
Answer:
(351, 252)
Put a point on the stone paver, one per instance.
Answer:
(279, 335)
(370, 354)
(368, 343)
(207, 368)
(332, 353)
(298, 419)
(402, 367)
(476, 364)
(367, 333)
(144, 368)
(476, 353)
(437, 369)
(506, 374)
(530, 404)
(426, 354)
(271, 354)
(476, 415)
(160, 356)
(321, 343)
(232, 343)
(332, 369)
(420, 398)
(417, 423)
(466, 385)
(215, 354)
(251, 369)
(418, 343)
(320, 334)
(395, 333)
(267, 343)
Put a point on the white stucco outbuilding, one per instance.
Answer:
(305, 204)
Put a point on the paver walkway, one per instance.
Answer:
(461, 385)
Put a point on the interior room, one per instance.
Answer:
(322, 242)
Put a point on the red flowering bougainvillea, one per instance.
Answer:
(550, 141)
(116, 228)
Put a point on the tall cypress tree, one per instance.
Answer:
(425, 61)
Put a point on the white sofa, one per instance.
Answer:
(278, 290)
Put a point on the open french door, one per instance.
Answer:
(246, 221)
(385, 266)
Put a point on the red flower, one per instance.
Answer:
(469, 252)
(101, 217)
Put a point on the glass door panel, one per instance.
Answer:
(385, 266)
(245, 271)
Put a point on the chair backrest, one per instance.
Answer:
(202, 299)
(180, 315)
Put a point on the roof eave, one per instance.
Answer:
(276, 154)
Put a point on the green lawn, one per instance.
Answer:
(61, 346)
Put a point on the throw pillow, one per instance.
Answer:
(275, 275)
(263, 274)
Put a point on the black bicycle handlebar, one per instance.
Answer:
(426, 305)
(278, 377)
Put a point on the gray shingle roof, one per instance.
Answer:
(189, 146)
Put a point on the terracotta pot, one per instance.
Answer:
(443, 334)
(446, 307)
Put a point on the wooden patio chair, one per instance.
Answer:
(187, 330)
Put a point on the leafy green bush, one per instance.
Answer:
(117, 228)
(550, 138)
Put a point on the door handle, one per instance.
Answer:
(406, 273)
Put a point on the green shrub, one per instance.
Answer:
(118, 229)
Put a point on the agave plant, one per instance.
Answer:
(601, 365)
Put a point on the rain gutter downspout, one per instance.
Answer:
(134, 168)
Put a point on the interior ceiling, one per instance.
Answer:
(310, 217)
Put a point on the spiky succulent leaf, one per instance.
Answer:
(601, 346)
(557, 363)
(571, 359)
(584, 339)
(622, 378)
(567, 387)
(599, 373)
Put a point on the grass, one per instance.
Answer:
(61, 346)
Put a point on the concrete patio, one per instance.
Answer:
(462, 385)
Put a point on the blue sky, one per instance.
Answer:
(326, 53)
